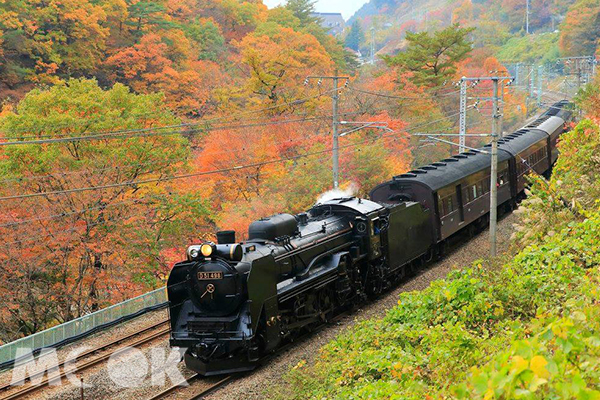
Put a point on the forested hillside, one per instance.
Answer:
(131, 129)
(184, 48)
(468, 337)
(556, 28)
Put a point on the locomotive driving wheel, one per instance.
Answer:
(377, 279)
(325, 304)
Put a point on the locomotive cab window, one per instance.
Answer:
(376, 227)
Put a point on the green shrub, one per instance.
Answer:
(528, 330)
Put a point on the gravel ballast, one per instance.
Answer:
(253, 385)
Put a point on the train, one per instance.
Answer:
(231, 303)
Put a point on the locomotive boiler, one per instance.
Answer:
(231, 303)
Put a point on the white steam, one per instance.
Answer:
(350, 191)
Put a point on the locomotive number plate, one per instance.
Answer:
(204, 276)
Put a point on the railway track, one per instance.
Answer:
(70, 366)
(221, 381)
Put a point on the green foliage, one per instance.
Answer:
(146, 14)
(468, 337)
(355, 37)
(209, 38)
(90, 248)
(303, 9)
(433, 58)
(81, 105)
(536, 48)
(284, 17)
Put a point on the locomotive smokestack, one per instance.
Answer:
(226, 237)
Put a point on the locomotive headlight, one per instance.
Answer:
(206, 250)
(193, 252)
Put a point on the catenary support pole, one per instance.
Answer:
(463, 115)
(336, 155)
(494, 173)
(540, 77)
(335, 121)
(372, 45)
(527, 11)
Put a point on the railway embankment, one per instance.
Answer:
(524, 326)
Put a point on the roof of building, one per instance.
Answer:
(333, 22)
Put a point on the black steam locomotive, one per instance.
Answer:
(231, 303)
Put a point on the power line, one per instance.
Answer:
(203, 173)
(119, 133)
(70, 213)
(72, 229)
(137, 165)
(378, 94)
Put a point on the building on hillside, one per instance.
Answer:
(333, 22)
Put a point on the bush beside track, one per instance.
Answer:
(527, 329)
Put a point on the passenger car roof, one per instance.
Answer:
(440, 174)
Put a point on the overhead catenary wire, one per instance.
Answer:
(228, 151)
(147, 132)
(184, 125)
(204, 173)
(389, 96)
(68, 230)
(73, 213)
(137, 165)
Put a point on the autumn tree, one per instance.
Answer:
(277, 64)
(69, 253)
(580, 31)
(64, 38)
(151, 66)
(432, 58)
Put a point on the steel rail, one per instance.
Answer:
(87, 364)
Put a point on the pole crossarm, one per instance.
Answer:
(335, 100)
(374, 126)
(453, 134)
(436, 139)
(463, 102)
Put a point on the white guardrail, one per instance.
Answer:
(81, 326)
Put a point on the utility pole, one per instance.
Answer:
(581, 65)
(372, 45)
(527, 16)
(335, 97)
(540, 77)
(496, 115)
(463, 115)
(501, 117)
(335, 155)
(494, 172)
